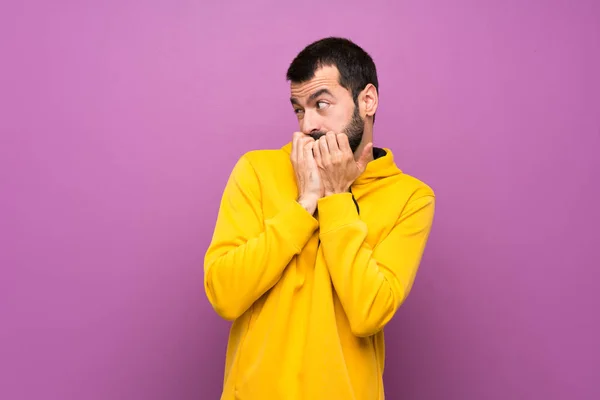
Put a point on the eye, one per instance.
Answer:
(321, 105)
(299, 112)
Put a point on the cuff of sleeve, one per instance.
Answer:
(336, 211)
(298, 225)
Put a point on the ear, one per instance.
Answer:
(369, 100)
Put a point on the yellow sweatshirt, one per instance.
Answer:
(310, 295)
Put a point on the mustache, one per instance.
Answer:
(317, 134)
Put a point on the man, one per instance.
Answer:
(317, 244)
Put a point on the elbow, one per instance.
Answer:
(364, 330)
(228, 312)
(225, 306)
(225, 303)
(367, 326)
(372, 318)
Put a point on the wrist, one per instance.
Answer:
(336, 191)
(309, 203)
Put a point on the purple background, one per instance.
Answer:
(121, 120)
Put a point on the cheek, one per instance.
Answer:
(336, 120)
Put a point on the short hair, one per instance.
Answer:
(356, 67)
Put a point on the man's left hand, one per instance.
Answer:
(337, 164)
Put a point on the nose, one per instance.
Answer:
(311, 122)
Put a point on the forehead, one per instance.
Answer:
(325, 77)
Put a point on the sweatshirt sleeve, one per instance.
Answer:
(371, 282)
(248, 254)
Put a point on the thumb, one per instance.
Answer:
(363, 160)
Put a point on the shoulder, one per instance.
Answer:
(411, 194)
(255, 166)
(420, 200)
(251, 168)
(415, 187)
(265, 156)
(260, 161)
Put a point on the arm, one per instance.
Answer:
(371, 282)
(248, 254)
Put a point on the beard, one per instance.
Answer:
(354, 130)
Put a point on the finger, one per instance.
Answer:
(365, 156)
(335, 154)
(294, 152)
(300, 151)
(324, 150)
(309, 158)
(322, 142)
(332, 143)
(317, 154)
(343, 143)
(304, 141)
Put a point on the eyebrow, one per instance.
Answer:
(313, 96)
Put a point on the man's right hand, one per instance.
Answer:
(308, 178)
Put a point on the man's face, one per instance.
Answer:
(323, 105)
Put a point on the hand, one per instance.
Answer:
(308, 179)
(336, 162)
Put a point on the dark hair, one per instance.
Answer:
(355, 65)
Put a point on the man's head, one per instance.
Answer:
(334, 87)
